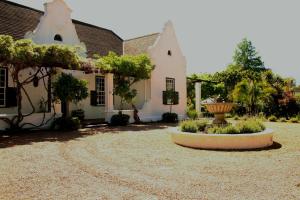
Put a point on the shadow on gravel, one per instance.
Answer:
(274, 146)
(28, 137)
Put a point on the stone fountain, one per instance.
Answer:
(219, 108)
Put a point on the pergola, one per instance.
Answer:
(198, 84)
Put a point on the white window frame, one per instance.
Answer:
(100, 90)
(3, 87)
(170, 84)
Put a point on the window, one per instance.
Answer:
(58, 38)
(170, 53)
(100, 90)
(170, 84)
(3, 87)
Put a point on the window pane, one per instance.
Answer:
(100, 89)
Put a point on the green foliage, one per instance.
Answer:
(78, 114)
(201, 124)
(230, 129)
(192, 113)
(61, 56)
(272, 118)
(127, 70)
(236, 117)
(119, 120)
(246, 55)
(294, 120)
(68, 88)
(66, 124)
(169, 117)
(193, 126)
(6, 48)
(282, 119)
(189, 126)
(250, 126)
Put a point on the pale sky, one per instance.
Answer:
(208, 30)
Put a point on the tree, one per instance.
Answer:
(23, 54)
(69, 89)
(127, 70)
(246, 56)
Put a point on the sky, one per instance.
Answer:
(208, 30)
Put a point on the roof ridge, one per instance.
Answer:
(151, 34)
(73, 20)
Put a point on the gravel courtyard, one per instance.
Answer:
(141, 162)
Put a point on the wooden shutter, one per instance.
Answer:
(176, 98)
(165, 100)
(11, 97)
(93, 97)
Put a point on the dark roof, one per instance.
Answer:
(16, 20)
(140, 44)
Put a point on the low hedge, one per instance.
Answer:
(170, 117)
(119, 120)
(66, 124)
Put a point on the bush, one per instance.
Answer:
(272, 118)
(201, 124)
(189, 126)
(283, 119)
(169, 117)
(294, 120)
(79, 114)
(66, 124)
(192, 114)
(224, 130)
(251, 126)
(119, 120)
(236, 117)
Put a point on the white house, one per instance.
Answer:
(55, 25)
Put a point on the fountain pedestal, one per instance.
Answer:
(219, 110)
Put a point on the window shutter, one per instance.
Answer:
(176, 98)
(93, 97)
(165, 101)
(11, 97)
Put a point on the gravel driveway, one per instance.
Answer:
(141, 162)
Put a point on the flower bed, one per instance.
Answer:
(250, 134)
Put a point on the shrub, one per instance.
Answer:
(79, 114)
(192, 114)
(66, 124)
(251, 126)
(201, 124)
(272, 118)
(224, 130)
(294, 120)
(169, 117)
(119, 120)
(189, 126)
(236, 117)
(283, 119)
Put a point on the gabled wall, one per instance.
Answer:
(56, 20)
(173, 66)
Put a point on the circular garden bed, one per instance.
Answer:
(250, 134)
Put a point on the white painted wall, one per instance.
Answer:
(56, 20)
(173, 66)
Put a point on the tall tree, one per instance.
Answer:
(246, 55)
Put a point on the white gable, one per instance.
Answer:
(56, 21)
